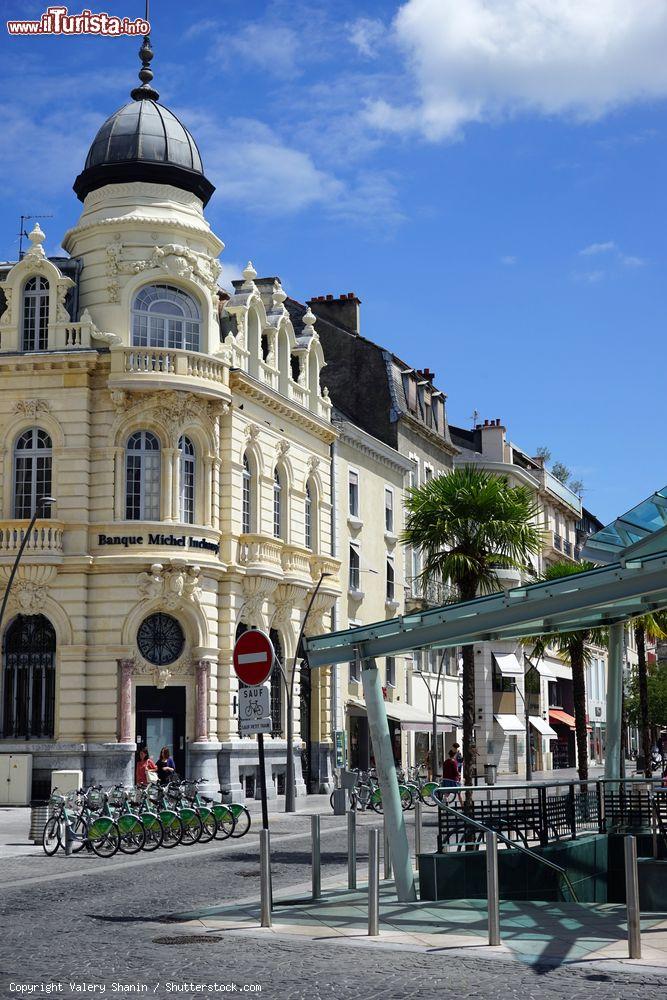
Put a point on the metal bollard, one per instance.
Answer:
(265, 877)
(69, 839)
(386, 850)
(418, 830)
(492, 888)
(373, 882)
(632, 898)
(352, 849)
(316, 856)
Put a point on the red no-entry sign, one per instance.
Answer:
(253, 657)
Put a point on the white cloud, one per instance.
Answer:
(508, 260)
(630, 261)
(270, 47)
(367, 34)
(595, 248)
(229, 271)
(589, 277)
(484, 60)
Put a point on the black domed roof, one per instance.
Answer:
(144, 141)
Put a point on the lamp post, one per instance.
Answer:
(529, 761)
(290, 796)
(41, 504)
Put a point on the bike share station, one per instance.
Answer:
(565, 847)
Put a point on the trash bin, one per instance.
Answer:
(339, 801)
(39, 813)
(490, 773)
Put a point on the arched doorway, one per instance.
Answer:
(29, 678)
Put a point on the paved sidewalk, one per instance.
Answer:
(537, 933)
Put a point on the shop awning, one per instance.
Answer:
(411, 718)
(561, 718)
(546, 670)
(508, 664)
(510, 723)
(543, 728)
(561, 670)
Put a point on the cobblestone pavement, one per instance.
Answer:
(97, 923)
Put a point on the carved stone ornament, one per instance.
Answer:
(257, 589)
(29, 598)
(113, 291)
(31, 407)
(106, 338)
(172, 587)
(162, 678)
(173, 258)
(6, 318)
(287, 597)
(119, 399)
(62, 315)
(252, 432)
(282, 447)
(313, 463)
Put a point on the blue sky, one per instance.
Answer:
(487, 175)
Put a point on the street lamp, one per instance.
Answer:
(40, 506)
(290, 790)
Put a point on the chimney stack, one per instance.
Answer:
(493, 440)
(342, 311)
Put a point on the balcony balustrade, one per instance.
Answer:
(45, 541)
(261, 552)
(144, 367)
(419, 594)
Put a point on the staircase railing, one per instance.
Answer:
(439, 792)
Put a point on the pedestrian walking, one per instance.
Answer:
(144, 766)
(450, 773)
(166, 768)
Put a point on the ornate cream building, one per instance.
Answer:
(188, 444)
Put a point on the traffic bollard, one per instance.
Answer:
(352, 849)
(373, 882)
(316, 856)
(418, 830)
(632, 898)
(387, 850)
(492, 888)
(68, 839)
(265, 877)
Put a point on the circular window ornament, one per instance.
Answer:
(160, 639)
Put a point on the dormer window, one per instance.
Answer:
(163, 316)
(36, 314)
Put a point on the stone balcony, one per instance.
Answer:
(556, 547)
(45, 543)
(166, 368)
(290, 563)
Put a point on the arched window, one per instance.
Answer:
(276, 680)
(277, 506)
(142, 477)
(187, 480)
(246, 498)
(32, 472)
(308, 516)
(36, 314)
(163, 316)
(28, 681)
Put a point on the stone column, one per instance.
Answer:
(217, 464)
(119, 499)
(125, 671)
(168, 484)
(208, 489)
(201, 719)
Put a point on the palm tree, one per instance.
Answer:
(649, 627)
(468, 523)
(573, 648)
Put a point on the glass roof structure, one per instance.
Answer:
(633, 584)
(628, 532)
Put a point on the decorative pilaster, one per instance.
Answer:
(208, 490)
(119, 455)
(202, 668)
(125, 671)
(217, 465)
(169, 491)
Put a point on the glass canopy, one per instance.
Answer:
(625, 535)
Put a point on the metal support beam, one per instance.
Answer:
(612, 768)
(386, 771)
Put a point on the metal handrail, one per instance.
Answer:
(501, 836)
(561, 782)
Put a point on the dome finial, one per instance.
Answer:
(145, 92)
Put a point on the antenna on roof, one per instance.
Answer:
(22, 229)
(474, 418)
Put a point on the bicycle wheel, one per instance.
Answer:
(104, 837)
(132, 834)
(192, 826)
(172, 827)
(209, 825)
(154, 831)
(241, 818)
(426, 793)
(406, 797)
(80, 831)
(51, 836)
(225, 820)
(375, 800)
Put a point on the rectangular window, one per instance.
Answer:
(391, 586)
(354, 568)
(245, 503)
(502, 684)
(388, 510)
(353, 489)
(391, 671)
(428, 473)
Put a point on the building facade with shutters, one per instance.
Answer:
(186, 439)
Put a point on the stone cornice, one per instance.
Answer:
(431, 436)
(127, 222)
(369, 445)
(81, 360)
(240, 381)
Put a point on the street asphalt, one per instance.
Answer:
(73, 926)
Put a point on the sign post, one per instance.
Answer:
(253, 659)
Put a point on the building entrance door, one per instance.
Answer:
(161, 722)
